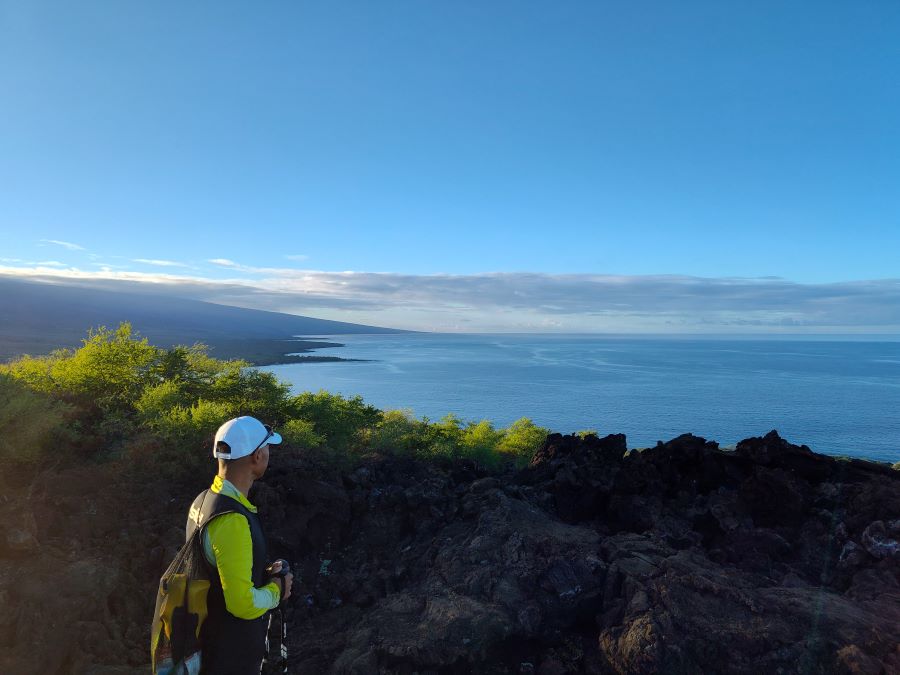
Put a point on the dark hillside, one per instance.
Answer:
(37, 317)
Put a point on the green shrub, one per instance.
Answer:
(32, 424)
(341, 421)
(112, 368)
(479, 443)
(252, 392)
(118, 389)
(301, 433)
(522, 439)
(191, 427)
(398, 431)
(435, 440)
(450, 429)
(158, 399)
(35, 371)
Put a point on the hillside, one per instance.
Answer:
(38, 317)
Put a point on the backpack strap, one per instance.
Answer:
(199, 519)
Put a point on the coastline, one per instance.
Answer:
(276, 352)
(837, 395)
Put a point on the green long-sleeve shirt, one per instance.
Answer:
(227, 545)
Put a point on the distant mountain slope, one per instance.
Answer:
(37, 317)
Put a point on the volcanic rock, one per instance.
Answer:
(681, 558)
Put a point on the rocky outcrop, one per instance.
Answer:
(678, 558)
(681, 558)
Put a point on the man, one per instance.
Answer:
(241, 591)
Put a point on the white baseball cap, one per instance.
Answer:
(244, 436)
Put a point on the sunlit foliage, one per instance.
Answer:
(340, 421)
(118, 389)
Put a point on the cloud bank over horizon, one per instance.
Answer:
(519, 301)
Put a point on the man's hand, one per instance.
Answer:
(285, 580)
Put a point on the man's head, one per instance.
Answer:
(243, 443)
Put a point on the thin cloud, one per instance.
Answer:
(297, 257)
(530, 301)
(237, 267)
(109, 266)
(65, 244)
(159, 263)
(33, 263)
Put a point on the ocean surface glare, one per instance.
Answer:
(838, 397)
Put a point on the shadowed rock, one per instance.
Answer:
(681, 558)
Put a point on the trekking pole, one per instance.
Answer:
(285, 570)
(283, 646)
(284, 655)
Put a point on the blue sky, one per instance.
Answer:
(484, 150)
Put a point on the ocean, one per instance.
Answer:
(839, 397)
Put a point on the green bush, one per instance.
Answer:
(522, 439)
(158, 399)
(398, 431)
(479, 443)
(341, 421)
(428, 440)
(118, 389)
(251, 392)
(36, 371)
(32, 424)
(191, 427)
(301, 433)
(111, 368)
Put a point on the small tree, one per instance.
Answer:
(522, 439)
(479, 443)
(398, 431)
(301, 433)
(340, 420)
(251, 392)
(110, 369)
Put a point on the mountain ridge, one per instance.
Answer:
(39, 317)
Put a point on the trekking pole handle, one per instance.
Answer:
(283, 572)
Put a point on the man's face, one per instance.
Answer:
(261, 461)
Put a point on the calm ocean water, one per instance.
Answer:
(838, 397)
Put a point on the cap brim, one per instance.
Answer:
(274, 439)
